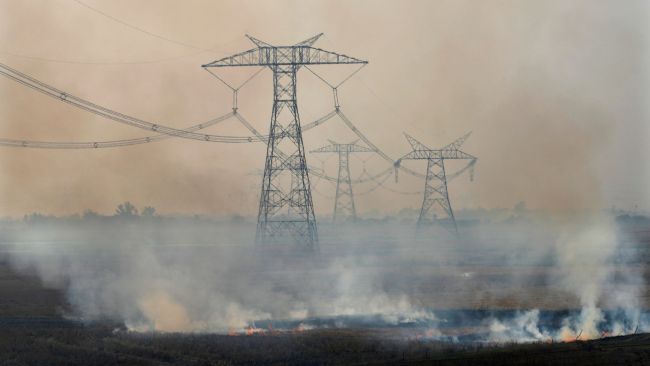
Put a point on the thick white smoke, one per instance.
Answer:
(189, 279)
(205, 288)
(586, 262)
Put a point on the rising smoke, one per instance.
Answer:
(187, 281)
(543, 92)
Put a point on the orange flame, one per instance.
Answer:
(250, 330)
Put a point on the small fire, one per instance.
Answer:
(568, 335)
(250, 330)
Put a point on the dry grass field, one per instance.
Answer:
(36, 327)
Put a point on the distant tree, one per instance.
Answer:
(90, 214)
(126, 209)
(36, 217)
(149, 211)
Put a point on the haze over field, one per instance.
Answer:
(521, 280)
(559, 114)
(558, 107)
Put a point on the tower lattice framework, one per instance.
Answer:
(344, 208)
(286, 210)
(435, 203)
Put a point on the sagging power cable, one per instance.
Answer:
(106, 144)
(86, 105)
(362, 136)
(139, 29)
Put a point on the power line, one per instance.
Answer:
(397, 166)
(354, 128)
(91, 62)
(115, 19)
(436, 194)
(286, 211)
(344, 206)
(83, 104)
(200, 50)
(76, 145)
(380, 152)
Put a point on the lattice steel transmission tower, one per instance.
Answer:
(286, 210)
(436, 195)
(344, 201)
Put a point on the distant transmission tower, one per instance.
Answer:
(344, 201)
(286, 210)
(436, 195)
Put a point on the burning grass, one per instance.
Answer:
(385, 301)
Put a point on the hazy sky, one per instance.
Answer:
(555, 92)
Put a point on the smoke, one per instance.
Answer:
(545, 279)
(587, 256)
(523, 327)
(524, 76)
(177, 285)
(586, 260)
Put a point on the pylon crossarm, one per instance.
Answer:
(336, 147)
(353, 147)
(285, 55)
(456, 154)
(437, 154)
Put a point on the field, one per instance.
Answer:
(465, 286)
(37, 341)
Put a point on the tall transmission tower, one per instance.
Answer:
(344, 201)
(286, 210)
(436, 195)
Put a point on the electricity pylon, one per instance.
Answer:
(344, 201)
(435, 185)
(286, 210)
